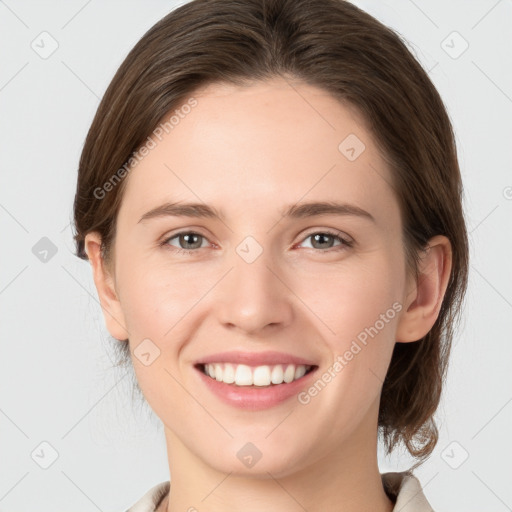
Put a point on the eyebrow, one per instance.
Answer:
(295, 211)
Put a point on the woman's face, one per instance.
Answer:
(269, 278)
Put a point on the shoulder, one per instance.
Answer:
(150, 501)
(407, 492)
(404, 487)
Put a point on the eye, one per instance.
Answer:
(191, 240)
(324, 240)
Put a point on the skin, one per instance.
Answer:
(249, 152)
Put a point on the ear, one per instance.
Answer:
(112, 312)
(424, 298)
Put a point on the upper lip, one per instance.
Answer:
(255, 358)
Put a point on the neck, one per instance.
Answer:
(346, 478)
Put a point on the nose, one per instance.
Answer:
(255, 297)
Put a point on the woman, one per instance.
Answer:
(270, 199)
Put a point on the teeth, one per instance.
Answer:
(244, 375)
(217, 372)
(277, 374)
(229, 374)
(300, 371)
(261, 376)
(289, 373)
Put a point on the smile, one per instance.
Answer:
(265, 375)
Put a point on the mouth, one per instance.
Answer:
(263, 376)
(255, 382)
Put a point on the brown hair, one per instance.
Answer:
(335, 46)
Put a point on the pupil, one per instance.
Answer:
(188, 236)
(322, 236)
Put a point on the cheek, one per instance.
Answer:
(347, 299)
(341, 299)
(357, 310)
(155, 298)
(158, 305)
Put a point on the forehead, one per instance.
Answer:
(279, 139)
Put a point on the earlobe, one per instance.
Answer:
(423, 302)
(110, 304)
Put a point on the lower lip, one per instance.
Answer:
(255, 398)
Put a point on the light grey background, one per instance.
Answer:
(56, 380)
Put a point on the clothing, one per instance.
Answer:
(150, 501)
(403, 488)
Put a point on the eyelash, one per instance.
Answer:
(345, 243)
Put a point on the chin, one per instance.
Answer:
(258, 459)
